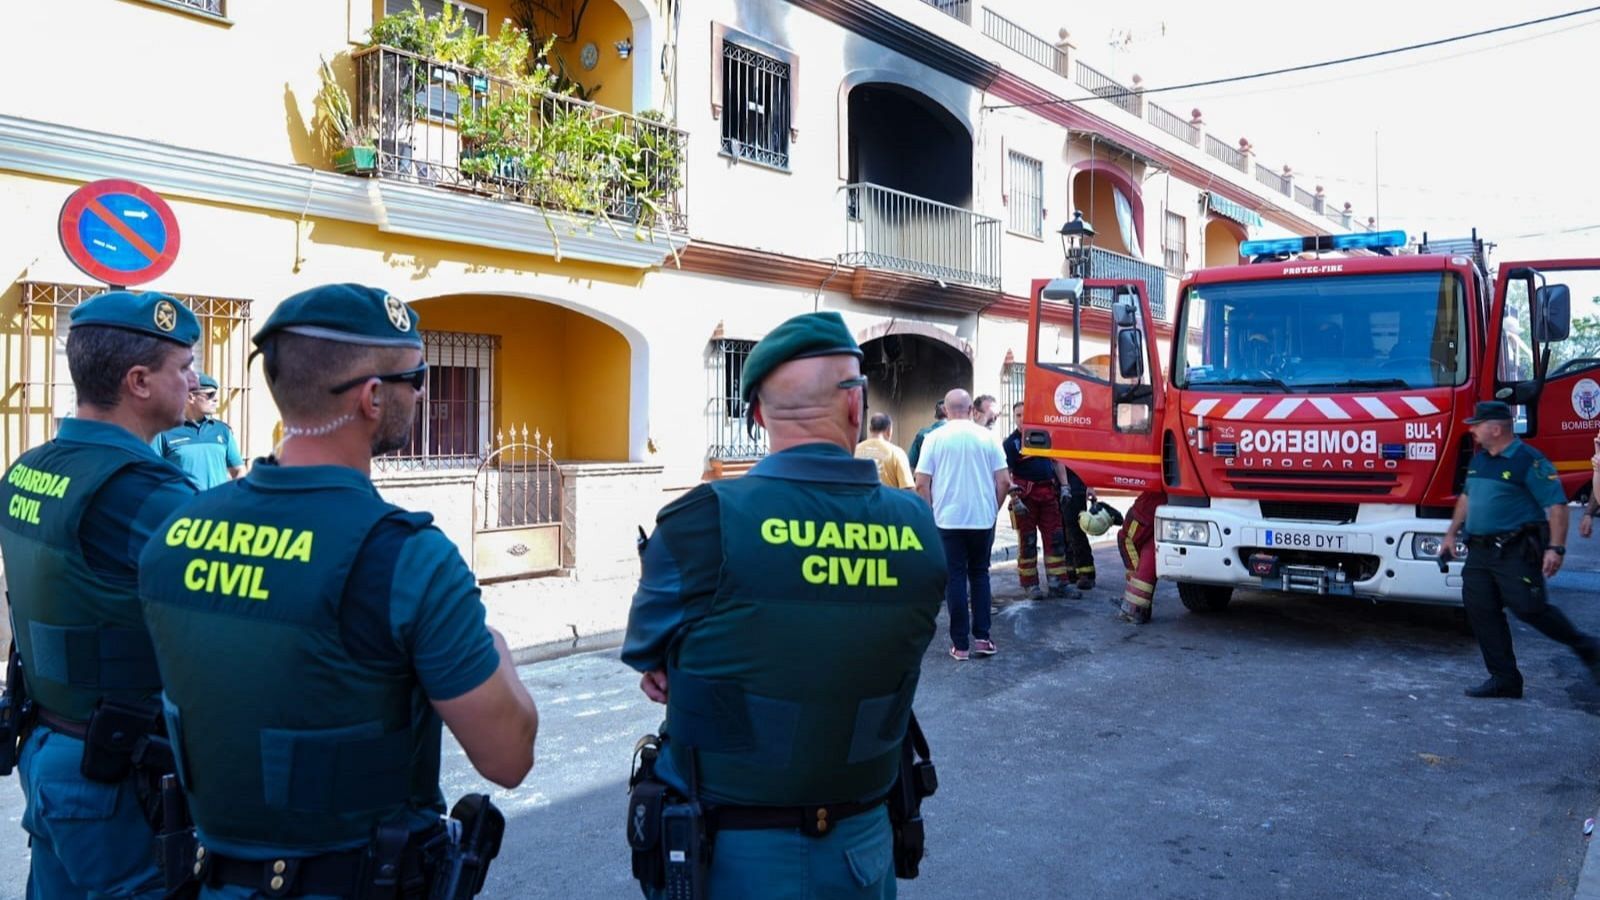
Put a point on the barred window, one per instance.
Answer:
(1173, 243)
(457, 413)
(209, 7)
(755, 105)
(1025, 194)
(727, 437)
(41, 392)
(1013, 389)
(477, 18)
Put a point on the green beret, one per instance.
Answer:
(347, 313)
(149, 313)
(812, 334)
(1490, 411)
(207, 383)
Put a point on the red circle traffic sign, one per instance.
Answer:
(119, 232)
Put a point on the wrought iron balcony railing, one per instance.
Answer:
(451, 127)
(890, 229)
(1093, 262)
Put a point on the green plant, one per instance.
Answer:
(334, 121)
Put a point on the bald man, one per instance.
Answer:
(782, 618)
(963, 475)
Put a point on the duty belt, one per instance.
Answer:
(69, 727)
(813, 821)
(1504, 537)
(337, 874)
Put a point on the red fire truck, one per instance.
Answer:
(1307, 423)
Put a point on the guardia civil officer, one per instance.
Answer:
(312, 636)
(782, 618)
(80, 509)
(1515, 514)
(202, 445)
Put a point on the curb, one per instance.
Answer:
(1589, 875)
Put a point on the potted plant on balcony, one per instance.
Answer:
(353, 146)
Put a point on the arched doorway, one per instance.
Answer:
(909, 368)
(500, 363)
(1118, 228)
(1222, 239)
(902, 140)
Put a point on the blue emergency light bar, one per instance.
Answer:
(1380, 241)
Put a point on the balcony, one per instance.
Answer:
(955, 9)
(901, 232)
(458, 129)
(1107, 264)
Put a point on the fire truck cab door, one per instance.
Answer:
(1544, 358)
(1097, 411)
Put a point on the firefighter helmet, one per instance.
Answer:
(1096, 520)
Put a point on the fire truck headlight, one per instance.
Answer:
(1183, 531)
(1427, 546)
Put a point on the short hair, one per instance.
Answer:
(879, 423)
(99, 358)
(938, 410)
(302, 370)
(982, 399)
(1017, 404)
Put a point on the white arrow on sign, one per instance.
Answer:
(135, 214)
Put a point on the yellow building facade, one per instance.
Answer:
(837, 152)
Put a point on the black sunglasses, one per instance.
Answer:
(416, 377)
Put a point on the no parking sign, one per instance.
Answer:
(119, 232)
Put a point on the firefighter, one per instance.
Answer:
(1136, 541)
(1076, 497)
(1037, 502)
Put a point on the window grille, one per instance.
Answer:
(1013, 390)
(456, 416)
(1025, 197)
(1173, 243)
(40, 392)
(210, 7)
(476, 17)
(755, 106)
(725, 410)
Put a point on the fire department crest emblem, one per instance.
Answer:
(1069, 397)
(1586, 398)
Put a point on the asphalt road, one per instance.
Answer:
(1291, 747)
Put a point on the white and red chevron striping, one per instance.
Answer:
(1340, 408)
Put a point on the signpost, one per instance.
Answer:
(119, 232)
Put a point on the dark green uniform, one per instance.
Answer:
(791, 609)
(1507, 498)
(81, 507)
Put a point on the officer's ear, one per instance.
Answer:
(371, 403)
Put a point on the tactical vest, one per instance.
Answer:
(81, 636)
(282, 737)
(796, 685)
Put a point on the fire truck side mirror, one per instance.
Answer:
(1130, 354)
(1554, 305)
(1068, 289)
(1122, 311)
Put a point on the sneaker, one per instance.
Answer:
(984, 648)
(959, 655)
(1034, 593)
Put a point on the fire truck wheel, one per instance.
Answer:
(1204, 598)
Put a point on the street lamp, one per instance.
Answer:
(1074, 235)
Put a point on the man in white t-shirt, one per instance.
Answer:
(962, 474)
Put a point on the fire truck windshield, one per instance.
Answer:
(1326, 333)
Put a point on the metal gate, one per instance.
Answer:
(516, 508)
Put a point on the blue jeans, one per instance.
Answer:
(89, 839)
(966, 554)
